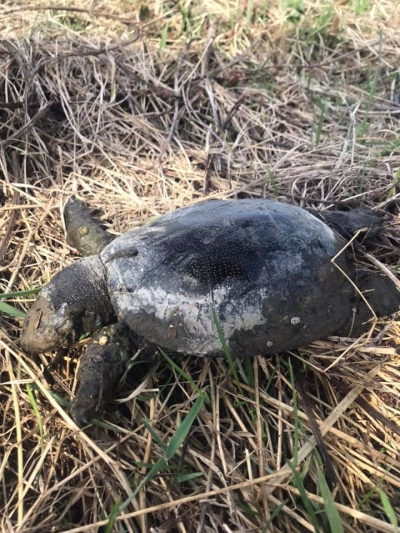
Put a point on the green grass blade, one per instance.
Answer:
(273, 182)
(113, 515)
(154, 435)
(320, 124)
(275, 513)
(273, 374)
(16, 294)
(10, 310)
(362, 179)
(226, 350)
(160, 465)
(181, 372)
(395, 182)
(164, 35)
(181, 478)
(181, 433)
(249, 11)
(246, 370)
(306, 502)
(295, 415)
(390, 512)
(35, 408)
(330, 508)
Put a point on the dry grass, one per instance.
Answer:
(222, 99)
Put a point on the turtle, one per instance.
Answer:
(251, 276)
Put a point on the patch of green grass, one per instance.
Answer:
(372, 81)
(362, 6)
(294, 8)
(261, 11)
(245, 368)
(323, 517)
(170, 450)
(246, 508)
(246, 371)
(73, 22)
(326, 513)
(181, 433)
(115, 510)
(262, 80)
(390, 147)
(321, 26)
(294, 4)
(187, 26)
(18, 294)
(154, 435)
(273, 373)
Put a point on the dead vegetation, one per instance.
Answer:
(139, 111)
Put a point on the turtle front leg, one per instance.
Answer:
(83, 233)
(100, 371)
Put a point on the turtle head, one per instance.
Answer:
(46, 327)
(74, 302)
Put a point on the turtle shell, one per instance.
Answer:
(262, 270)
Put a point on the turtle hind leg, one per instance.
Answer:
(382, 296)
(348, 223)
